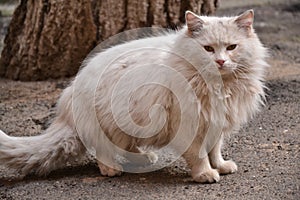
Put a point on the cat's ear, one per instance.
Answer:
(245, 20)
(193, 21)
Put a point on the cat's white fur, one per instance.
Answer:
(85, 105)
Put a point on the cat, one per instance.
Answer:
(215, 67)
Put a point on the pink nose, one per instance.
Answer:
(220, 62)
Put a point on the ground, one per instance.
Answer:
(266, 150)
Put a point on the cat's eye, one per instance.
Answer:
(209, 48)
(231, 47)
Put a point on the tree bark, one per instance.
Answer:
(50, 38)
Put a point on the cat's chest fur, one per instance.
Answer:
(240, 100)
(243, 99)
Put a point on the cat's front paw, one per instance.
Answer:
(227, 167)
(208, 176)
(105, 170)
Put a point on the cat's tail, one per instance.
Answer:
(43, 153)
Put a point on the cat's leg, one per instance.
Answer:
(201, 170)
(107, 164)
(110, 170)
(217, 161)
(114, 169)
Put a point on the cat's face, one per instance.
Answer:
(228, 41)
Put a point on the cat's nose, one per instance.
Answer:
(220, 62)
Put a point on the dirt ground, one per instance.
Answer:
(266, 150)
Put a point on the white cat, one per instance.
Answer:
(108, 109)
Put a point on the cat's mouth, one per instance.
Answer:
(225, 70)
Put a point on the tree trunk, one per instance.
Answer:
(50, 38)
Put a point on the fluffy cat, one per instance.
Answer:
(93, 111)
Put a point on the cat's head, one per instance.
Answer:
(230, 42)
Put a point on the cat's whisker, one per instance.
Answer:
(235, 75)
(243, 70)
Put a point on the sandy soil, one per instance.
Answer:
(266, 150)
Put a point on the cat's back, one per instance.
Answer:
(105, 68)
(147, 50)
(127, 63)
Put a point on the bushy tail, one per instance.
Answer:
(43, 153)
